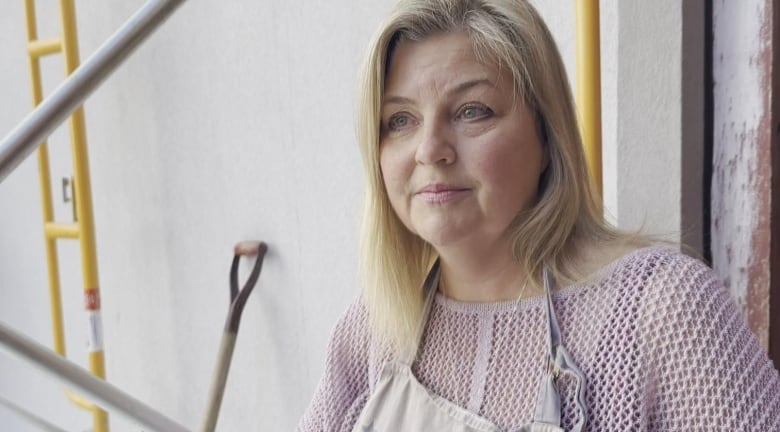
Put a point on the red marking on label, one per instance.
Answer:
(92, 299)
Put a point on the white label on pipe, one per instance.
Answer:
(94, 331)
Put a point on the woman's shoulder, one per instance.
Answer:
(686, 318)
(655, 274)
(667, 283)
(344, 385)
(656, 264)
(351, 329)
(353, 340)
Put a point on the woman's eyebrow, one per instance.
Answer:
(397, 100)
(468, 85)
(460, 88)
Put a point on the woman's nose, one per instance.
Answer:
(436, 145)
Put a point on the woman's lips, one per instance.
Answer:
(441, 194)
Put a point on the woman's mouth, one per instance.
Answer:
(441, 193)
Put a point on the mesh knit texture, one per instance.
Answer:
(660, 341)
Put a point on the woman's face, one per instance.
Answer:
(460, 155)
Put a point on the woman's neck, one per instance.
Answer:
(477, 276)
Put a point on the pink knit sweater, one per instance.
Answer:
(660, 341)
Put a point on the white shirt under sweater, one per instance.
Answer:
(661, 344)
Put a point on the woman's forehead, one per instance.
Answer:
(443, 63)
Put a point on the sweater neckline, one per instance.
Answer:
(538, 300)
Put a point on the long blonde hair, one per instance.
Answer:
(567, 213)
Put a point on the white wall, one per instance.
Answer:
(648, 102)
(233, 122)
(642, 100)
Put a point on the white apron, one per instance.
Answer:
(401, 403)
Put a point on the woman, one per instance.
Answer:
(496, 296)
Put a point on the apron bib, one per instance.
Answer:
(401, 403)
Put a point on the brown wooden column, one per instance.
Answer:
(745, 196)
(774, 143)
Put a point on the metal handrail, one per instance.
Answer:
(105, 394)
(39, 422)
(39, 124)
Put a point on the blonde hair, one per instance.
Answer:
(567, 214)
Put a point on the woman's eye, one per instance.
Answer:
(474, 112)
(398, 121)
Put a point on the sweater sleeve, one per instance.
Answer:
(708, 371)
(343, 388)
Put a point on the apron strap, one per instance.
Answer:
(548, 405)
(430, 286)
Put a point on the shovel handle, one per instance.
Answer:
(238, 300)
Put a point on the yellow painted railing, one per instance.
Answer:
(82, 229)
(30, 134)
(589, 85)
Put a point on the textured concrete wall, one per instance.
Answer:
(648, 99)
(742, 164)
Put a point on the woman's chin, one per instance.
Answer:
(443, 239)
